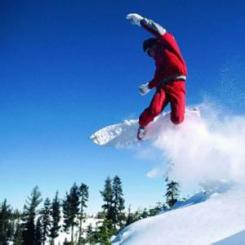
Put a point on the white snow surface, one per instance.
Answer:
(219, 219)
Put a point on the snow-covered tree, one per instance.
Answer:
(172, 192)
(118, 202)
(6, 228)
(29, 217)
(107, 195)
(39, 232)
(83, 204)
(55, 218)
(45, 220)
(71, 210)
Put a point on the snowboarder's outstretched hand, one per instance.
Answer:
(144, 89)
(134, 18)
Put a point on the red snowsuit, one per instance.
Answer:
(169, 77)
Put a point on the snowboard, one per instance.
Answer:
(124, 133)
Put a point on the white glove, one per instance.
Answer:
(134, 18)
(144, 89)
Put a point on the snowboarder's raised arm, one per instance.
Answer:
(149, 25)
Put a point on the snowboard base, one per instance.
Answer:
(124, 133)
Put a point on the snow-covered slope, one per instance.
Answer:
(210, 153)
(218, 220)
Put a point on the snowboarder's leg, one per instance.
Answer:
(158, 102)
(176, 92)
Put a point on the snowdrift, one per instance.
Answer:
(217, 219)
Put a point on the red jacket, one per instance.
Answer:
(169, 61)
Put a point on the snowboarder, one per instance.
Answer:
(170, 74)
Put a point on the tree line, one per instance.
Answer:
(36, 225)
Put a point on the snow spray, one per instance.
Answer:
(205, 151)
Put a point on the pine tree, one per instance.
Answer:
(144, 214)
(107, 229)
(118, 203)
(45, 221)
(56, 216)
(90, 235)
(17, 240)
(105, 232)
(172, 193)
(18, 235)
(108, 205)
(156, 210)
(131, 217)
(29, 216)
(39, 233)
(71, 210)
(5, 223)
(83, 204)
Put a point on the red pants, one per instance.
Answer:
(174, 93)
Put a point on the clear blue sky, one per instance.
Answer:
(68, 68)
